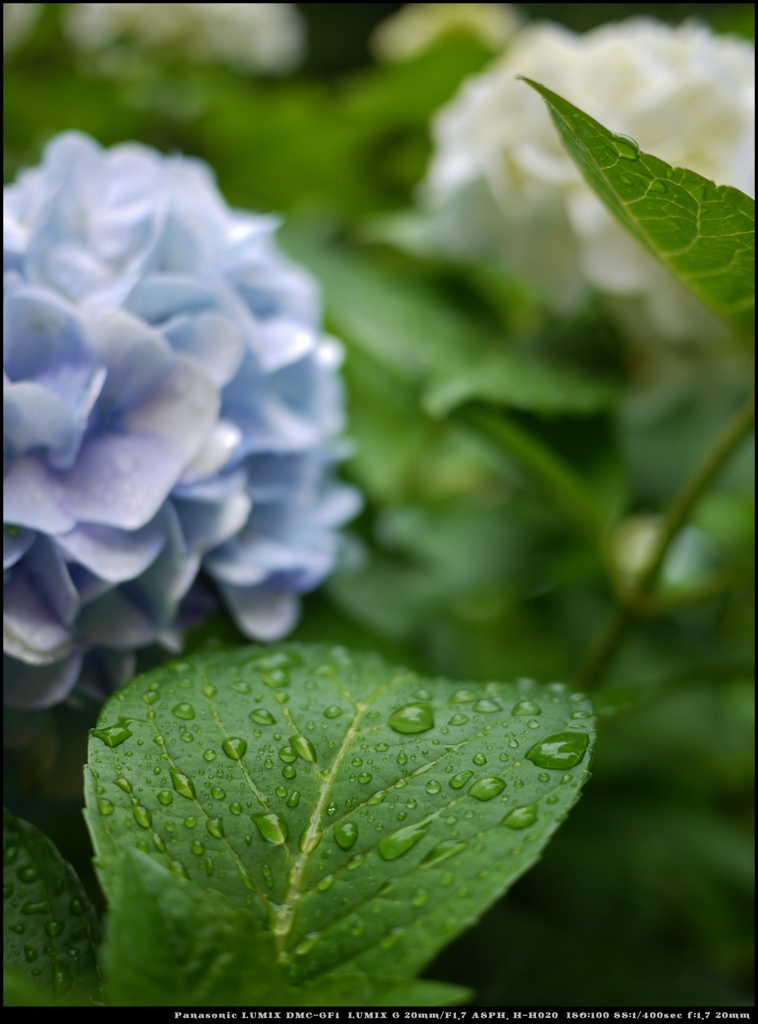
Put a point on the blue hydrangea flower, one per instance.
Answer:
(169, 403)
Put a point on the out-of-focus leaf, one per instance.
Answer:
(347, 807)
(49, 927)
(704, 234)
(416, 333)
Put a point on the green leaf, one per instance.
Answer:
(50, 928)
(171, 942)
(412, 330)
(522, 383)
(354, 810)
(20, 990)
(704, 234)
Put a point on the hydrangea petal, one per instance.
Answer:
(30, 498)
(206, 525)
(111, 554)
(116, 621)
(28, 687)
(211, 340)
(262, 613)
(31, 631)
(216, 451)
(35, 418)
(160, 296)
(16, 542)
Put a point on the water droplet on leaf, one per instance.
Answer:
(304, 747)
(185, 711)
(115, 734)
(487, 706)
(332, 712)
(487, 788)
(183, 784)
(209, 755)
(272, 827)
(142, 816)
(626, 148)
(521, 817)
(563, 750)
(447, 848)
(346, 834)
(479, 759)
(412, 718)
(105, 806)
(262, 717)
(165, 796)
(433, 787)
(526, 707)
(459, 781)
(398, 843)
(458, 720)
(215, 826)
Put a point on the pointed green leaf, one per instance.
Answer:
(704, 233)
(49, 926)
(343, 855)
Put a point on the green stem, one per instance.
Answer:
(613, 636)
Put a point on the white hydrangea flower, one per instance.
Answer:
(17, 22)
(683, 93)
(263, 38)
(416, 27)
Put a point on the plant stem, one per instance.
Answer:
(611, 639)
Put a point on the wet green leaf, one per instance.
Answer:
(49, 926)
(704, 233)
(410, 763)
(171, 942)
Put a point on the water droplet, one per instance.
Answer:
(150, 697)
(142, 816)
(209, 755)
(582, 714)
(566, 778)
(332, 712)
(526, 707)
(487, 706)
(105, 806)
(197, 847)
(419, 897)
(281, 791)
(115, 734)
(543, 777)
(178, 869)
(563, 750)
(307, 944)
(412, 718)
(241, 686)
(215, 826)
(402, 758)
(289, 772)
(28, 874)
(185, 711)
(364, 777)
(447, 848)
(209, 689)
(287, 754)
(521, 817)
(30, 954)
(183, 784)
(356, 862)
(377, 798)
(276, 678)
(165, 796)
(268, 763)
(462, 697)
(459, 781)
(54, 928)
(381, 747)
(326, 883)
(399, 842)
(158, 843)
(42, 907)
(234, 747)
(281, 697)
(479, 758)
(658, 186)
(346, 834)
(512, 743)
(487, 788)
(458, 720)
(218, 794)
(262, 717)
(190, 822)
(293, 799)
(433, 786)
(272, 827)
(62, 980)
(124, 784)
(626, 148)
(304, 747)
(187, 737)
(76, 908)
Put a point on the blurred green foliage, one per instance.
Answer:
(464, 561)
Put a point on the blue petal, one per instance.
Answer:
(39, 686)
(262, 613)
(111, 554)
(16, 542)
(30, 498)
